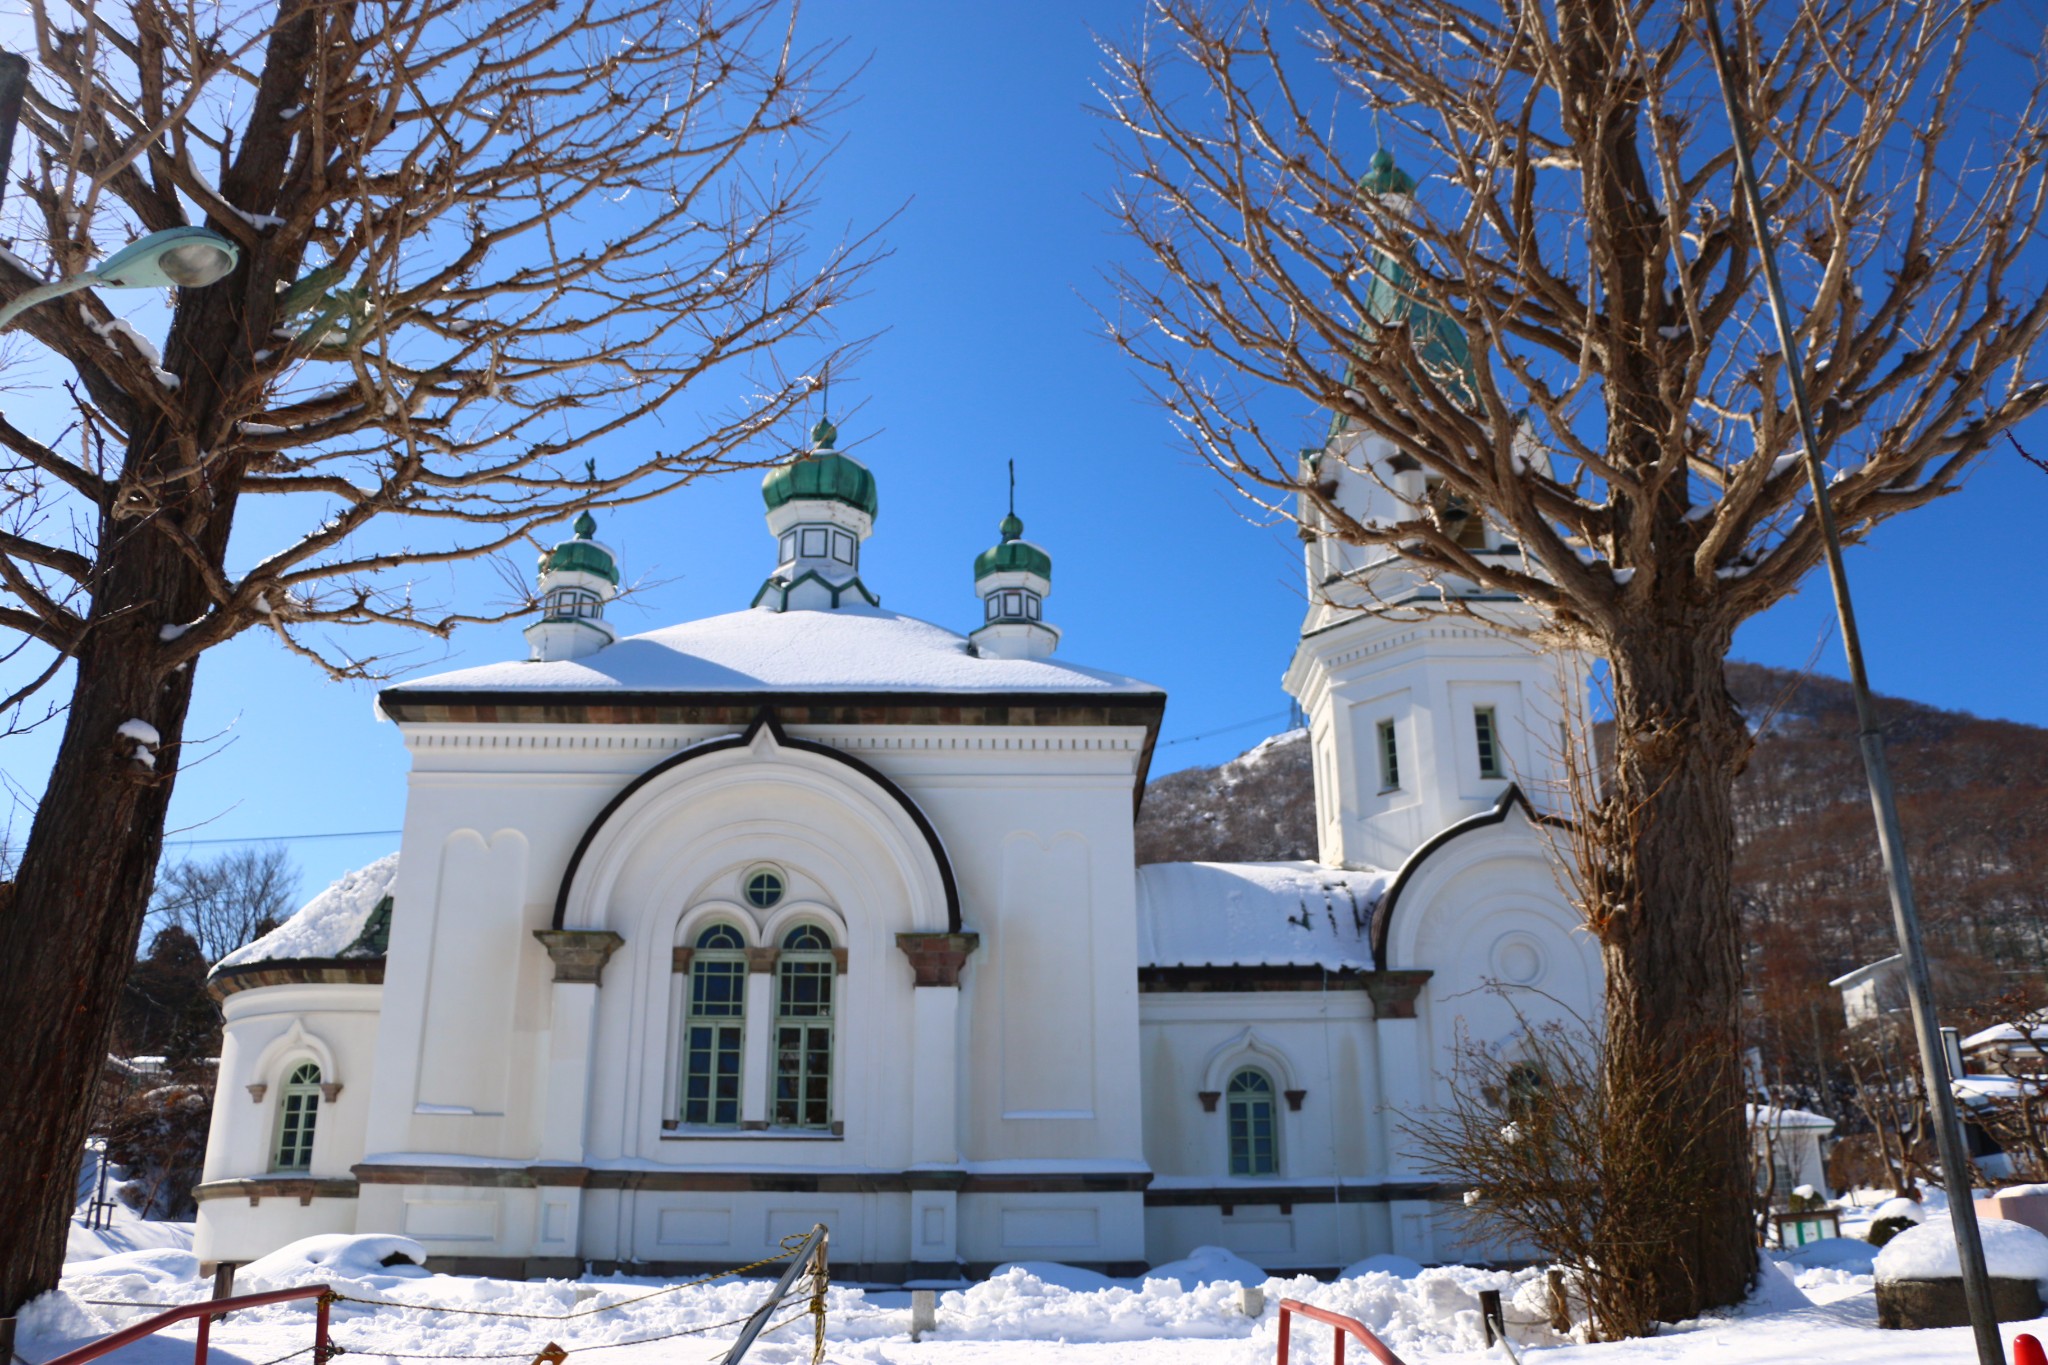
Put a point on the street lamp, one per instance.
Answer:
(188, 257)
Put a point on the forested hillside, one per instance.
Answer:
(1973, 798)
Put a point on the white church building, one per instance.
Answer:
(812, 912)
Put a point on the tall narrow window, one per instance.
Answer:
(1390, 757)
(803, 1029)
(1250, 1107)
(712, 1029)
(298, 1109)
(1485, 732)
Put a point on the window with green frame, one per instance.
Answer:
(1248, 1105)
(805, 973)
(298, 1111)
(713, 1029)
(1487, 736)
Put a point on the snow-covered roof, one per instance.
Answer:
(328, 926)
(1771, 1116)
(2032, 1029)
(1257, 915)
(851, 649)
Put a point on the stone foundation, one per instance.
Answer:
(1913, 1304)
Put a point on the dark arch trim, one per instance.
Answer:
(1383, 913)
(766, 717)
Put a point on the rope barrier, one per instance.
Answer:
(787, 1251)
(796, 1244)
(528, 1354)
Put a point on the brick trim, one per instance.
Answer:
(775, 1182)
(258, 1188)
(312, 971)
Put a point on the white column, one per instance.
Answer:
(934, 1076)
(757, 1039)
(571, 1032)
(1399, 1041)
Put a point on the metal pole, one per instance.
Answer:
(13, 82)
(1948, 1132)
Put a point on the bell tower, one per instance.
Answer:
(1424, 701)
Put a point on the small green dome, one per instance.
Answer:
(1385, 177)
(824, 434)
(582, 555)
(828, 476)
(1014, 555)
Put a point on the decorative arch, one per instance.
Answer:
(288, 1047)
(1247, 1048)
(695, 919)
(1384, 940)
(792, 913)
(639, 801)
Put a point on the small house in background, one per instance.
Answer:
(1873, 991)
(1788, 1150)
(2018, 1048)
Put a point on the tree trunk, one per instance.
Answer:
(68, 930)
(1671, 941)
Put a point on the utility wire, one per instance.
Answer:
(1223, 729)
(287, 838)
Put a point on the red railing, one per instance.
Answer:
(206, 1310)
(1344, 1327)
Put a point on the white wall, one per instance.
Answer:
(268, 1031)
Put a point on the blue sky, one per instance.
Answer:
(971, 119)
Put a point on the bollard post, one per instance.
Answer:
(924, 1312)
(1491, 1317)
(223, 1286)
(1251, 1300)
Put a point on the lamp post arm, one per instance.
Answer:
(43, 293)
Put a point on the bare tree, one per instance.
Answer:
(1560, 330)
(475, 240)
(227, 901)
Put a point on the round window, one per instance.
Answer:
(763, 886)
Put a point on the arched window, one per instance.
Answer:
(803, 1029)
(713, 1029)
(1249, 1101)
(298, 1110)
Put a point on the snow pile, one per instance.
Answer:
(1898, 1208)
(2021, 1191)
(1059, 1275)
(1775, 1291)
(2012, 1251)
(333, 1256)
(328, 925)
(1257, 915)
(1207, 1265)
(1386, 1263)
(1429, 1313)
(853, 649)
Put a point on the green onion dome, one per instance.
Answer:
(825, 474)
(1014, 555)
(582, 555)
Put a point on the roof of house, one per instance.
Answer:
(853, 649)
(1771, 1116)
(1883, 966)
(2032, 1029)
(1257, 915)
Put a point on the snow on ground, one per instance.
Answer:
(1804, 1314)
(126, 1229)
